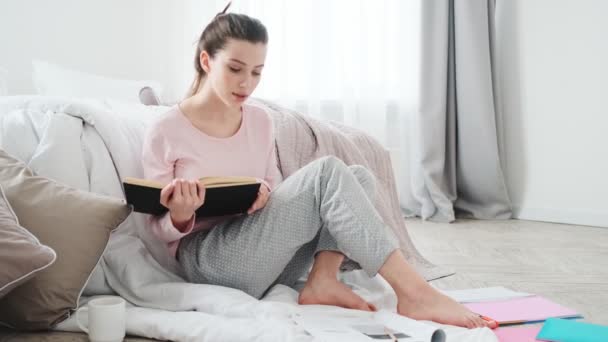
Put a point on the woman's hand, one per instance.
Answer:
(182, 197)
(261, 200)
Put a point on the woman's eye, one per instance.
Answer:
(257, 73)
(235, 70)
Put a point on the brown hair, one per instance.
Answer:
(215, 36)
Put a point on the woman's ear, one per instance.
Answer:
(204, 61)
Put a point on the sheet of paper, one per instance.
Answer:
(528, 309)
(374, 328)
(517, 334)
(417, 330)
(327, 330)
(484, 294)
(377, 331)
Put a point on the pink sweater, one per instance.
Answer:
(174, 148)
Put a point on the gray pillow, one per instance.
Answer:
(75, 224)
(21, 254)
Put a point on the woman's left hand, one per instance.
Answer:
(261, 200)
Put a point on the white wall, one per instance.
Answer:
(553, 65)
(552, 61)
(120, 39)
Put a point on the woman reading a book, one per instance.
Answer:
(318, 216)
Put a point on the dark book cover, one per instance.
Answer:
(219, 201)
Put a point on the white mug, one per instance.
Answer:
(107, 319)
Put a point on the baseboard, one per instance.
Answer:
(568, 216)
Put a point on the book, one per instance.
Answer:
(532, 309)
(223, 195)
(566, 330)
(518, 334)
(382, 325)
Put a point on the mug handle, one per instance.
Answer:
(80, 325)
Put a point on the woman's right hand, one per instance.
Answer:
(182, 198)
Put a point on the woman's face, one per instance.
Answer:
(235, 71)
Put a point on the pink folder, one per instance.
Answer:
(517, 334)
(521, 310)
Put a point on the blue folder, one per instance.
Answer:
(564, 330)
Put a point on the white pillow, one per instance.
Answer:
(54, 80)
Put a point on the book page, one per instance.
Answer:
(382, 325)
(417, 330)
(208, 182)
(228, 180)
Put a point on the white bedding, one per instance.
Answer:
(91, 145)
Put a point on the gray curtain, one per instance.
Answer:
(458, 170)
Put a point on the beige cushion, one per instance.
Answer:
(74, 223)
(21, 254)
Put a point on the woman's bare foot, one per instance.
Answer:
(429, 304)
(329, 291)
(418, 300)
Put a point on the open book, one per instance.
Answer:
(362, 326)
(223, 195)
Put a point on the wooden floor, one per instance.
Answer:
(567, 264)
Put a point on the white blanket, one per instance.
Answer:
(92, 145)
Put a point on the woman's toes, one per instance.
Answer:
(481, 323)
(471, 324)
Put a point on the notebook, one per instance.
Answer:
(522, 310)
(517, 334)
(572, 331)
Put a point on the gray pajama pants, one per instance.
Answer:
(323, 206)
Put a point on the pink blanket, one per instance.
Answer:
(301, 139)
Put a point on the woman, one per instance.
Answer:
(317, 216)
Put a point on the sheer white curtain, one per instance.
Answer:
(352, 61)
